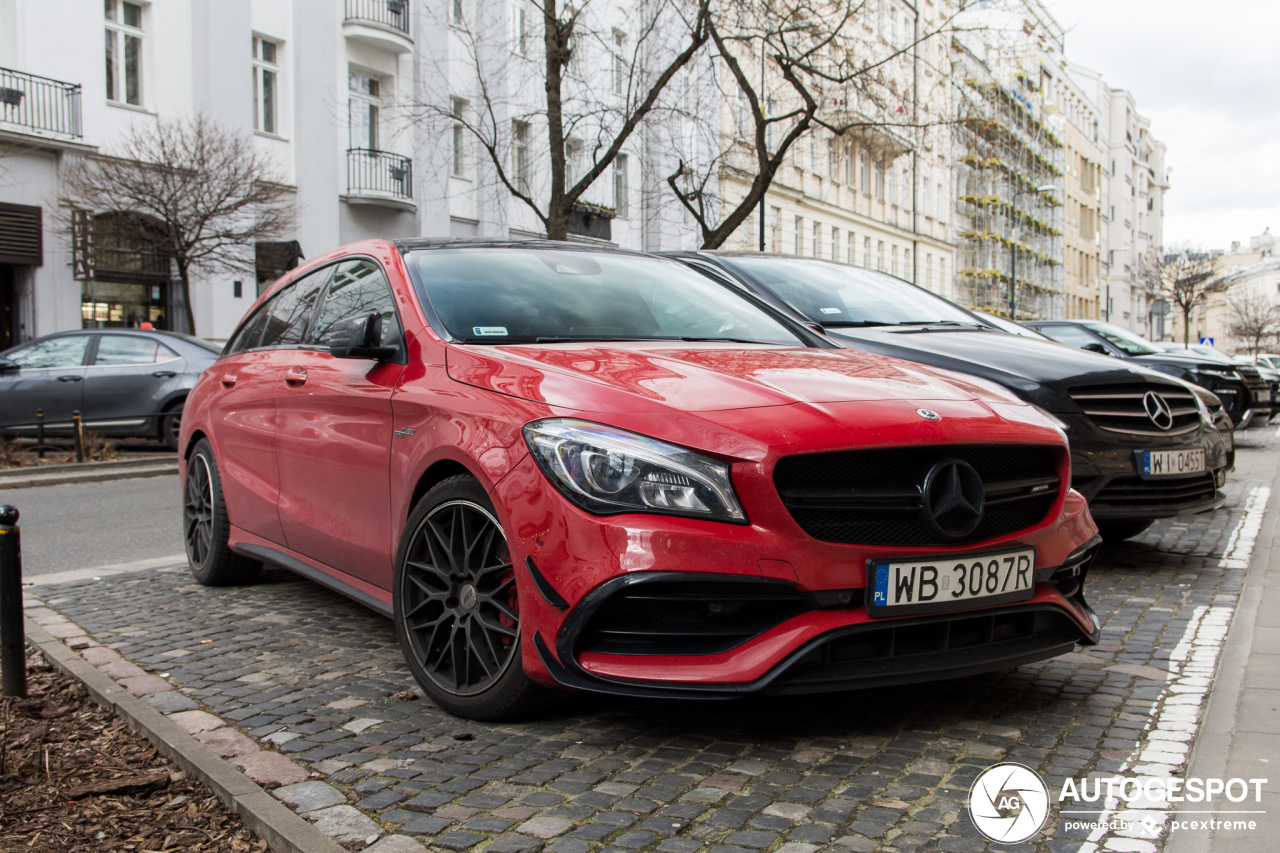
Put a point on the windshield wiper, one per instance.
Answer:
(831, 324)
(689, 339)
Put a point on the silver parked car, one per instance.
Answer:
(124, 382)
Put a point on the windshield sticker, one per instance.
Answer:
(830, 310)
(487, 331)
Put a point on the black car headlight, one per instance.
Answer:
(607, 471)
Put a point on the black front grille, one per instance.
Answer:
(1134, 491)
(894, 651)
(873, 497)
(683, 617)
(1120, 408)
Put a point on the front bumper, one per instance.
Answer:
(823, 639)
(1104, 468)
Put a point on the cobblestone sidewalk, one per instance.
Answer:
(284, 669)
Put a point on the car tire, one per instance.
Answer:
(170, 423)
(205, 527)
(457, 614)
(1123, 528)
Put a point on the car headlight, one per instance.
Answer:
(1223, 372)
(607, 471)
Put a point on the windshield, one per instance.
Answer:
(1004, 324)
(515, 295)
(837, 295)
(1124, 339)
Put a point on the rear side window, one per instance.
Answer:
(250, 333)
(289, 312)
(55, 352)
(125, 349)
(358, 287)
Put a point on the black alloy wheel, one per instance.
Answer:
(457, 609)
(205, 528)
(170, 426)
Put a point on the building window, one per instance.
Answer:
(775, 237)
(770, 138)
(880, 256)
(817, 239)
(928, 271)
(520, 156)
(813, 154)
(942, 203)
(893, 253)
(924, 202)
(853, 243)
(942, 276)
(835, 244)
(364, 106)
(833, 164)
(572, 162)
(266, 85)
(619, 63)
(880, 180)
(458, 109)
(519, 28)
(799, 235)
(866, 172)
(893, 187)
(849, 165)
(455, 12)
(866, 251)
(743, 116)
(907, 272)
(621, 202)
(124, 51)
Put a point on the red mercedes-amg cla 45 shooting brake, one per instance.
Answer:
(558, 466)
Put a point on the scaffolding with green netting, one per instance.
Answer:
(1009, 182)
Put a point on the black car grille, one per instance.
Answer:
(683, 617)
(1134, 491)
(939, 646)
(874, 497)
(1122, 409)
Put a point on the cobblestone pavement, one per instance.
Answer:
(308, 673)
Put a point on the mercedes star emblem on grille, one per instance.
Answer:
(953, 498)
(1158, 410)
(929, 414)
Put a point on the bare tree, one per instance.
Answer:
(187, 189)
(1182, 276)
(793, 67)
(599, 85)
(1254, 317)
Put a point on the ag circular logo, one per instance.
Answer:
(1009, 802)
(929, 414)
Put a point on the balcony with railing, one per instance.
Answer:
(383, 24)
(380, 178)
(37, 105)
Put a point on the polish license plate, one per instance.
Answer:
(955, 582)
(1170, 463)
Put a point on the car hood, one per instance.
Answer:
(1033, 369)
(643, 377)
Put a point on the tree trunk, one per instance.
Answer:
(1186, 327)
(184, 273)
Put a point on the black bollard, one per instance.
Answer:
(13, 652)
(40, 433)
(79, 429)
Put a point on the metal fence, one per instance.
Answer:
(389, 13)
(369, 170)
(40, 104)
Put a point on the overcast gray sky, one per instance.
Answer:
(1207, 74)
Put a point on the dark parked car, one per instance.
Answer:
(1143, 446)
(124, 382)
(1243, 391)
(568, 466)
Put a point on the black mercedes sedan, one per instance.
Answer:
(1243, 391)
(124, 382)
(1143, 445)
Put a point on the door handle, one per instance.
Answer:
(164, 374)
(295, 376)
(228, 379)
(69, 378)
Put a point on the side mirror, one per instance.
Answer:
(816, 326)
(359, 337)
(7, 366)
(1096, 347)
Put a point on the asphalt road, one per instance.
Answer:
(87, 525)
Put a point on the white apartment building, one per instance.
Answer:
(1134, 183)
(878, 196)
(362, 104)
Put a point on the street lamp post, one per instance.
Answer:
(1013, 249)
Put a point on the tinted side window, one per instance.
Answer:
(250, 333)
(358, 287)
(125, 349)
(290, 311)
(57, 352)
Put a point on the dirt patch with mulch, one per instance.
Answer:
(15, 454)
(75, 779)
